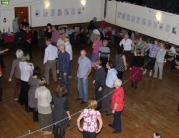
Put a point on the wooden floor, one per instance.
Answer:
(151, 108)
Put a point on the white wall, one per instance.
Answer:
(93, 8)
(148, 14)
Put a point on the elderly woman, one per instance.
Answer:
(140, 44)
(44, 99)
(96, 46)
(104, 54)
(26, 70)
(117, 105)
(90, 117)
(15, 70)
(32, 101)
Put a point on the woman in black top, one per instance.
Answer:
(48, 33)
(136, 68)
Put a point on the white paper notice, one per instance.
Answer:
(72, 11)
(52, 12)
(37, 13)
(66, 12)
(161, 26)
(149, 23)
(128, 17)
(123, 16)
(45, 13)
(79, 11)
(133, 18)
(167, 29)
(138, 20)
(119, 15)
(155, 25)
(143, 21)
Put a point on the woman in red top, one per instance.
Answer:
(108, 34)
(117, 105)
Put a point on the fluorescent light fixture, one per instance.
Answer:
(83, 2)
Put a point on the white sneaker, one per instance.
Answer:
(150, 74)
(16, 99)
(144, 73)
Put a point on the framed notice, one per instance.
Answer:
(133, 18)
(143, 21)
(123, 16)
(59, 12)
(149, 23)
(138, 20)
(66, 12)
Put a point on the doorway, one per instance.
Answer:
(23, 12)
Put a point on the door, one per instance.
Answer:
(23, 12)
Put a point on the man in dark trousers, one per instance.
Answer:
(91, 26)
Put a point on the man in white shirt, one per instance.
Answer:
(61, 39)
(51, 53)
(68, 48)
(127, 45)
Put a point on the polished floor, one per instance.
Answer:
(152, 107)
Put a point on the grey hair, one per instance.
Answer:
(19, 53)
(118, 82)
(62, 45)
(105, 42)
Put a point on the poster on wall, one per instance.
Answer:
(119, 15)
(167, 29)
(143, 21)
(59, 12)
(161, 26)
(52, 12)
(128, 17)
(37, 13)
(66, 12)
(45, 13)
(79, 11)
(149, 23)
(138, 20)
(72, 11)
(155, 25)
(174, 30)
(133, 18)
(123, 16)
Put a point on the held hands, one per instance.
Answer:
(57, 71)
(93, 82)
(10, 80)
(100, 89)
(98, 130)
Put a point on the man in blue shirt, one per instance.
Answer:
(84, 69)
(63, 63)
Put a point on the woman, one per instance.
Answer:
(48, 33)
(44, 98)
(104, 54)
(136, 68)
(55, 35)
(60, 111)
(117, 105)
(32, 101)
(15, 70)
(90, 117)
(108, 34)
(140, 44)
(96, 45)
(121, 64)
(26, 70)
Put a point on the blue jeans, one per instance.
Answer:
(83, 89)
(117, 121)
(65, 81)
(69, 70)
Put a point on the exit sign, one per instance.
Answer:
(4, 2)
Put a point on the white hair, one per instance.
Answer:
(118, 82)
(19, 53)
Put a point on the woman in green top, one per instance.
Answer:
(140, 44)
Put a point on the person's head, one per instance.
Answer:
(61, 48)
(94, 19)
(140, 38)
(156, 42)
(25, 57)
(54, 28)
(98, 63)
(17, 16)
(162, 45)
(120, 50)
(19, 53)
(126, 36)
(109, 28)
(48, 42)
(42, 82)
(49, 26)
(110, 65)
(27, 28)
(117, 83)
(92, 104)
(63, 36)
(63, 30)
(61, 91)
(83, 53)
(66, 39)
(98, 37)
(37, 71)
(157, 135)
(25, 20)
(21, 25)
(138, 52)
(105, 42)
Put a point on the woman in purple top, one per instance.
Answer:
(55, 36)
(96, 45)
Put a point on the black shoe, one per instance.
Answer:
(83, 102)
(114, 132)
(28, 109)
(110, 125)
(78, 99)
(108, 114)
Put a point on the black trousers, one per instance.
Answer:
(150, 63)
(89, 134)
(28, 48)
(1, 93)
(117, 121)
(120, 74)
(104, 62)
(99, 94)
(2, 60)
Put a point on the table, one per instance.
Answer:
(8, 38)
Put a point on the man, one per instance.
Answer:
(16, 30)
(27, 41)
(127, 45)
(51, 53)
(110, 78)
(84, 69)
(55, 35)
(99, 82)
(68, 48)
(61, 39)
(154, 48)
(63, 65)
(91, 26)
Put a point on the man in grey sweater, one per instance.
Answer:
(16, 31)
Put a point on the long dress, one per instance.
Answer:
(34, 84)
(59, 111)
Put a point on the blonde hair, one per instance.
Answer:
(98, 62)
(25, 57)
(92, 104)
(105, 42)
(42, 82)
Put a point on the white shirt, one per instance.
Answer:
(26, 70)
(127, 44)
(51, 53)
(96, 31)
(68, 49)
(60, 42)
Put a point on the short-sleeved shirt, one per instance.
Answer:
(90, 120)
(84, 66)
(127, 44)
(154, 50)
(104, 51)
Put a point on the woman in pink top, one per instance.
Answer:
(96, 45)
(90, 116)
(117, 105)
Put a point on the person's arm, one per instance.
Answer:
(4, 51)
(52, 102)
(100, 124)
(109, 55)
(121, 42)
(67, 62)
(78, 122)
(12, 71)
(58, 64)
(67, 108)
(124, 61)
(114, 108)
(93, 46)
(46, 55)
(49, 96)
(89, 70)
